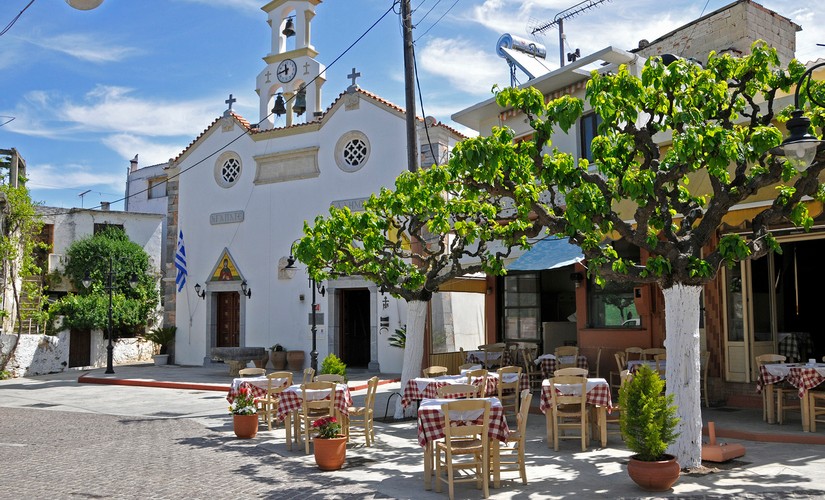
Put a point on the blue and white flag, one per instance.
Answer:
(180, 263)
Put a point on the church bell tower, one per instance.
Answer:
(291, 76)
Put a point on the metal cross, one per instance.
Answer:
(306, 68)
(352, 76)
(230, 101)
(267, 75)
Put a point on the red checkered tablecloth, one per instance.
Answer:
(805, 378)
(431, 421)
(766, 377)
(291, 400)
(598, 393)
(549, 365)
(413, 392)
(256, 385)
(477, 357)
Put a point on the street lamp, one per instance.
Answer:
(313, 355)
(87, 281)
(801, 147)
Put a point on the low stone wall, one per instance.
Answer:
(42, 354)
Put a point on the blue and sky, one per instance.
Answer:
(88, 90)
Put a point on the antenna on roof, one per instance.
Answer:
(84, 193)
(567, 13)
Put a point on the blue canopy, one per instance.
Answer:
(547, 254)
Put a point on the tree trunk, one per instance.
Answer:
(682, 372)
(413, 350)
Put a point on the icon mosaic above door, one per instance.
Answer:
(225, 269)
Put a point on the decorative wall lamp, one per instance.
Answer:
(198, 292)
(577, 278)
(289, 29)
(315, 287)
(280, 106)
(800, 147)
(246, 290)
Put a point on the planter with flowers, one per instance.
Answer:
(244, 414)
(278, 357)
(329, 445)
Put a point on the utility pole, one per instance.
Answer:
(409, 86)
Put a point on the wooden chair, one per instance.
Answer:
(331, 377)
(632, 353)
(468, 440)
(498, 348)
(569, 412)
(268, 405)
(434, 371)
(312, 410)
(511, 459)
(361, 417)
(571, 371)
(595, 372)
(531, 370)
(816, 405)
(567, 351)
(781, 391)
(508, 392)
(612, 420)
(251, 372)
(704, 362)
(457, 391)
(621, 365)
(661, 361)
(651, 352)
(309, 374)
(482, 374)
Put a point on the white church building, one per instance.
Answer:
(239, 194)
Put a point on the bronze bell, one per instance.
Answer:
(300, 102)
(289, 29)
(280, 107)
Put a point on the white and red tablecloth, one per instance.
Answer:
(256, 385)
(431, 421)
(802, 377)
(423, 388)
(495, 358)
(549, 363)
(598, 393)
(292, 399)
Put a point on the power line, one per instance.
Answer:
(436, 21)
(11, 23)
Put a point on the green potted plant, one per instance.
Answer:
(244, 414)
(648, 423)
(329, 445)
(333, 364)
(278, 357)
(163, 337)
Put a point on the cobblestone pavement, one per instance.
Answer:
(56, 454)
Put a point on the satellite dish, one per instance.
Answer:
(84, 4)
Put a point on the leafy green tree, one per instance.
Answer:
(18, 244)
(413, 239)
(669, 201)
(88, 308)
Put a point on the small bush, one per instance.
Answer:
(333, 365)
(4, 375)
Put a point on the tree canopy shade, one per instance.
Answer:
(679, 146)
(411, 240)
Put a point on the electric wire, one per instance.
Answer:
(247, 131)
(11, 23)
(428, 12)
(436, 21)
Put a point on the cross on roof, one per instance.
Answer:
(267, 75)
(353, 76)
(230, 101)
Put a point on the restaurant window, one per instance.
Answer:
(521, 307)
(157, 187)
(588, 129)
(614, 306)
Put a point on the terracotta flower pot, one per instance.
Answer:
(278, 359)
(245, 426)
(295, 359)
(330, 453)
(659, 475)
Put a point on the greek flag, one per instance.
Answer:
(180, 263)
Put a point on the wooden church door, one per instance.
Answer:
(229, 319)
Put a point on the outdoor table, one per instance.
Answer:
(420, 388)
(803, 377)
(478, 357)
(492, 381)
(549, 363)
(634, 364)
(257, 386)
(431, 428)
(598, 395)
(292, 401)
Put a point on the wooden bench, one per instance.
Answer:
(238, 357)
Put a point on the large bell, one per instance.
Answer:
(300, 102)
(280, 107)
(289, 29)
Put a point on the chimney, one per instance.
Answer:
(104, 205)
(133, 164)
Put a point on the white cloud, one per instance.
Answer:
(85, 47)
(469, 69)
(48, 177)
(249, 6)
(151, 153)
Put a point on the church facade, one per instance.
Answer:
(238, 197)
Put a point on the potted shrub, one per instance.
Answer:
(329, 445)
(163, 337)
(648, 423)
(244, 414)
(278, 357)
(333, 364)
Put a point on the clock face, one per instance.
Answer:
(287, 70)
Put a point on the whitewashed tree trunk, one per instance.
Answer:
(413, 350)
(682, 372)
